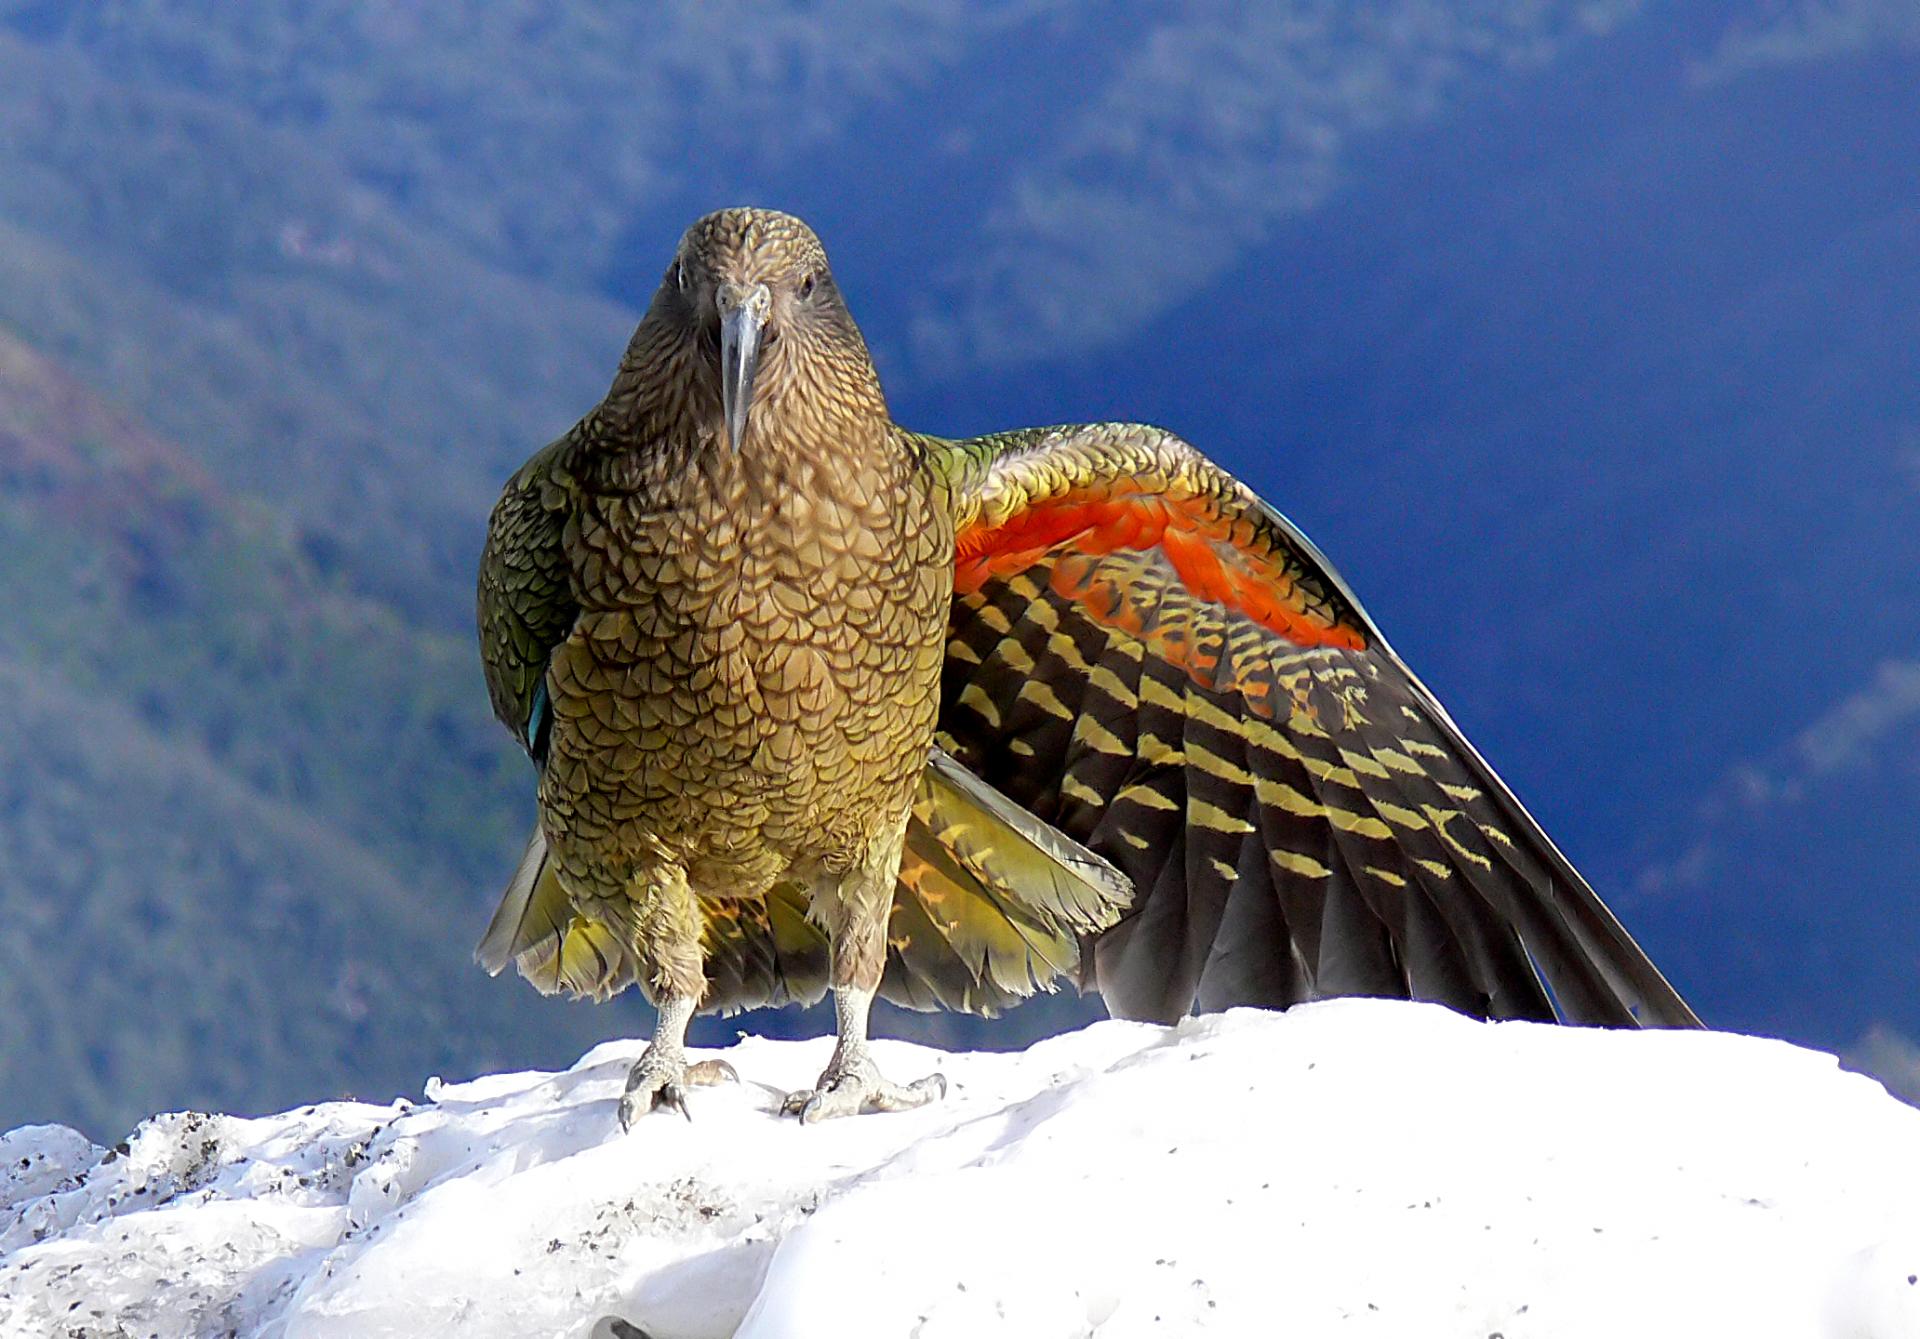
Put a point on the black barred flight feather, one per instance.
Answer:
(1147, 656)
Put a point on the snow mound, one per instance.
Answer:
(1368, 1167)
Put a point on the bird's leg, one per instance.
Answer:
(852, 1082)
(856, 921)
(667, 924)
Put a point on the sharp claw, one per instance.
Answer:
(920, 1092)
(671, 1095)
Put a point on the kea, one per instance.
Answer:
(819, 703)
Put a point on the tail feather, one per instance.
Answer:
(555, 949)
(523, 917)
(992, 902)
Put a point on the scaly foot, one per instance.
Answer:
(660, 1078)
(852, 1083)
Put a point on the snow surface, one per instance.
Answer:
(1358, 1167)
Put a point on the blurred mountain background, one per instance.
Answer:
(1583, 334)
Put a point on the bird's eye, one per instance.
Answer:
(683, 280)
(808, 284)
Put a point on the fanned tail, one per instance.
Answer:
(992, 902)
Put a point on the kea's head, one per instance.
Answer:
(750, 295)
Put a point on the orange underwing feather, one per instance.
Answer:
(1216, 560)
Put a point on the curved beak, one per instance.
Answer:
(744, 309)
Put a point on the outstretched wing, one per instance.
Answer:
(1149, 657)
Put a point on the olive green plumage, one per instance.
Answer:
(728, 611)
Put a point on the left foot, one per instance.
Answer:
(851, 1085)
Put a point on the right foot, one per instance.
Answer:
(660, 1078)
